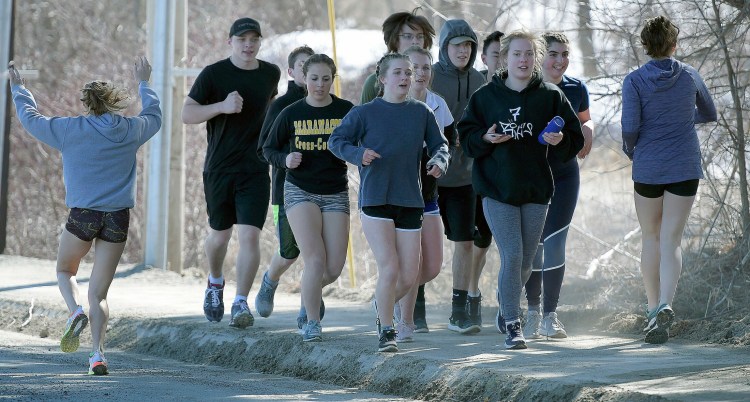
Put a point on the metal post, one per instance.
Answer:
(176, 222)
(161, 50)
(6, 53)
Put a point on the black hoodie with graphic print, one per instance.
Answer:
(456, 87)
(516, 171)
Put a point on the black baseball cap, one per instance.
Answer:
(243, 25)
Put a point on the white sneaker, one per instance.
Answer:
(552, 327)
(533, 322)
(405, 332)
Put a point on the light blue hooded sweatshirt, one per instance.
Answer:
(661, 103)
(98, 152)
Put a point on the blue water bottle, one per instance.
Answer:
(554, 126)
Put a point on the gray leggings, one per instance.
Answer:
(516, 231)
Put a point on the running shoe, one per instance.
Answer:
(474, 306)
(552, 327)
(420, 317)
(459, 322)
(97, 364)
(514, 338)
(405, 332)
(660, 333)
(500, 323)
(387, 341)
(650, 319)
(532, 325)
(241, 316)
(302, 316)
(73, 328)
(213, 302)
(264, 298)
(313, 332)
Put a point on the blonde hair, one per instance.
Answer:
(536, 42)
(100, 97)
(383, 65)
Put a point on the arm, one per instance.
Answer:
(150, 117)
(705, 110)
(437, 147)
(471, 128)
(195, 113)
(631, 117)
(273, 112)
(344, 140)
(587, 127)
(49, 130)
(572, 139)
(276, 144)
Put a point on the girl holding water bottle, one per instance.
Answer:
(502, 130)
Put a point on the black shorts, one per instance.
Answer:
(687, 188)
(87, 224)
(288, 248)
(404, 218)
(458, 210)
(236, 198)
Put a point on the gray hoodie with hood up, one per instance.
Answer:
(456, 87)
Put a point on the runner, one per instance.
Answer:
(384, 138)
(99, 170)
(316, 195)
(231, 96)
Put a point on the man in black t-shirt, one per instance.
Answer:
(232, 96)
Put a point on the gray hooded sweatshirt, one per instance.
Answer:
(456, 87)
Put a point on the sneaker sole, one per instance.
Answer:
(422, 330)
(464, 331)
(99, 370)
(405, 340)
(556, 335)
(242, 321)
(389, 348)
(313, 339)
(70, 340)
(660, 334)
(516, 346)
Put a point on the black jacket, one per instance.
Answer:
(517, 172)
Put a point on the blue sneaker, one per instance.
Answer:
(264, 298)
(241, 316)
(313, 332)
(73, 328)
(514, 338)
(213, 302)
(302, 316)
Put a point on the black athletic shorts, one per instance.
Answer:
(236, 198)
(288, 248)
(458, 210)
(483, 234)
(687, 188)
(404, 218)
(87, 224)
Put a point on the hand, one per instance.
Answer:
(553, 138)
(494, 138)
(141, 69)
(588, 141)
(369, 156)
(14, 75)
(293, 160)
(232, 104)
(434, 171)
